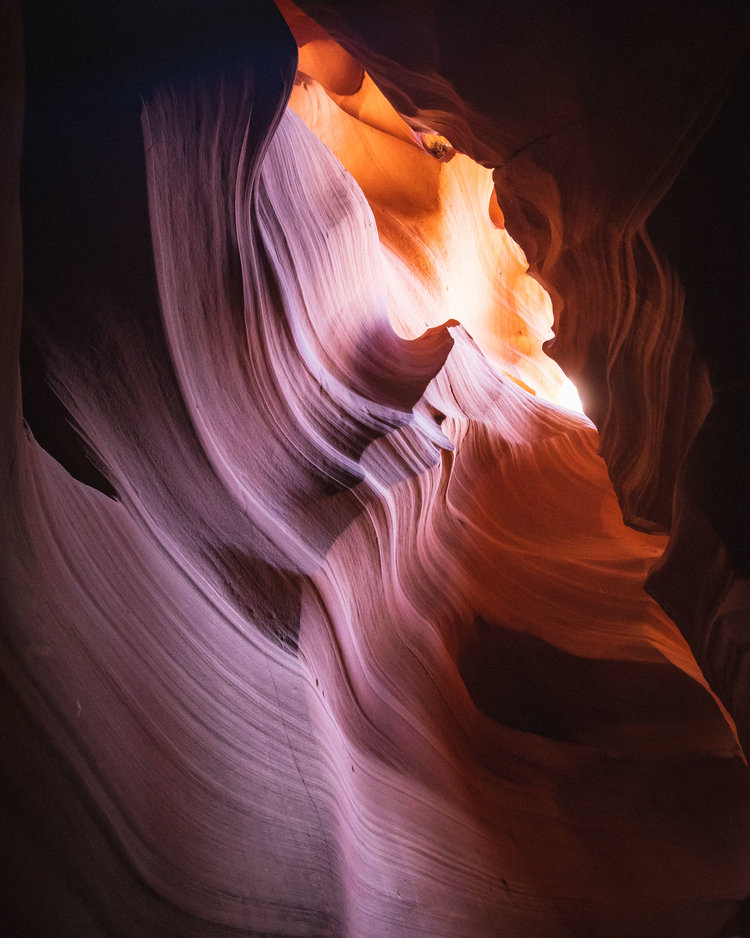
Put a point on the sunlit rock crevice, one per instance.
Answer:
(328, 618)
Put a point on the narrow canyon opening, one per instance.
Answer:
(329, 607)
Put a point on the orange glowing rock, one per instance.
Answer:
(446, 258)
(359, 644)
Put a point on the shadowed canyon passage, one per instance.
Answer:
(330, 618)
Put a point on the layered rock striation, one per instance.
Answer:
(332, 624)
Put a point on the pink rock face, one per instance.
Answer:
(360, 645)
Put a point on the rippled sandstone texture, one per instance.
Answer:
(360, 644)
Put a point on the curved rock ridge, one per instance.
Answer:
(447, 259)
(557, 119)
(582, 152)
(509, 666)
(279, 364)
(360, 645)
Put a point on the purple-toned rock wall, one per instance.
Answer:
(324, 619)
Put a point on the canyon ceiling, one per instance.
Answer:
(330, 607)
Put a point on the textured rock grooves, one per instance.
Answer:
(345, 634)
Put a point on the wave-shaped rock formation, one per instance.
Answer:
(329, 617)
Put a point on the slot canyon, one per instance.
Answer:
(375, 469)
